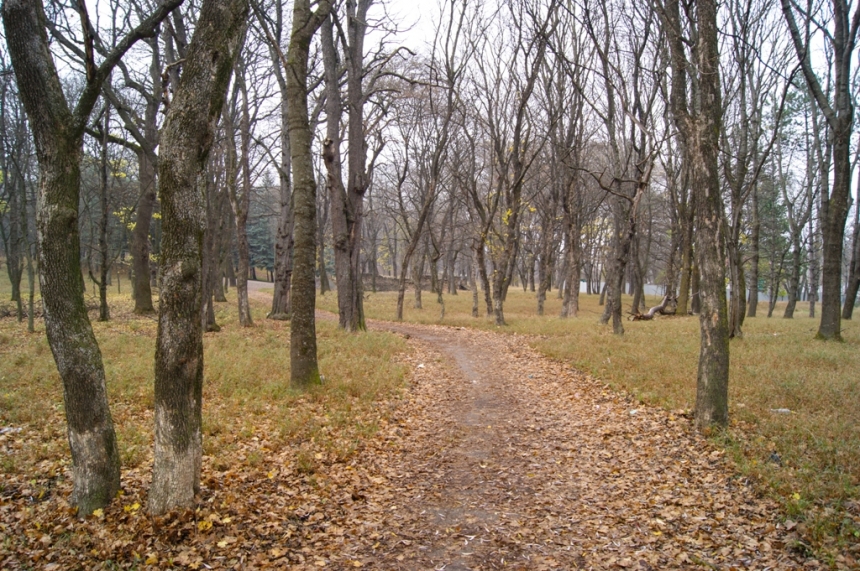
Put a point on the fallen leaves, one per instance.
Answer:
(533, 466)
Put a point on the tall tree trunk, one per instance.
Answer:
(187, 136)
(104, 211)
(304, 368)
(140, 246)
(839, 114)
(814, 265)
(241, 203)
(854, 273)
(209, 256)
(699, 129)
(281, 298)
(347, 201)
(755, 240)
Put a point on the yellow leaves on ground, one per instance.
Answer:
(131, 508)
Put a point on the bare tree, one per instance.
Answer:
(304, 369)
(186, 139)
(699, 128)
(840, 29)
(507, 76)
(273, 29)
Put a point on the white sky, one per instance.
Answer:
(415, 17)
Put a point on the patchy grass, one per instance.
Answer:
(247, 398)
(808, 458)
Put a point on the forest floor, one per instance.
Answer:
(492, 456)
(502, 458)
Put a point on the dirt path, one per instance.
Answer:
(500, 458)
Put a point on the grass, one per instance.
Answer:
(777, 365)
(246, 388)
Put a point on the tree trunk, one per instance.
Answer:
(239, 189)
(737, 308)
(793, 278)
(281, 298)
(473, 285)
(699, 130)
(854, 274)
(417, 278)
(304, 369)
(713, 374)
(187, 136)
(140, 246)
(347, 202)
(485, 280)
(755, 240)
(209, 257)
(839, 113)
(104, 206)
(686, 258)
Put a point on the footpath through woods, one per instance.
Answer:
(501, 458)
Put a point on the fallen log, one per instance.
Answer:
(667, 307)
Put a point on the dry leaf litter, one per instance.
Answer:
(495, 458)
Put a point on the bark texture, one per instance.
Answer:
(699, 131)
(304, 369)
(186, 140)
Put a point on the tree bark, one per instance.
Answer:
(187, 137)
(304, 369)
(854, 273)
(281, 299)
(840, 118)
(240, 198)
(699, 131)
(755, 240)
(140, 246)
(347, 201)
(104, 211)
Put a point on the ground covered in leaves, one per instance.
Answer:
(493, 458)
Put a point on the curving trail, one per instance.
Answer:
(498, 458)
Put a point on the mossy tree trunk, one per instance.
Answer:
(304, 368)
(187, 137)
(699, 128)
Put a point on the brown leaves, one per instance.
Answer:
(495, 458)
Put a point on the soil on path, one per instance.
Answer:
(500, 458)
